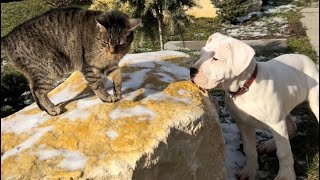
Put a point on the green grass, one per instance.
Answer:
(15, 13)
(302, 45)
(303, 3)
(198, 29)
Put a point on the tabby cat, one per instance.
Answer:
(62, 40)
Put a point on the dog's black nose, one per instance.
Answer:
(193, 72)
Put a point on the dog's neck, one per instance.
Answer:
(234, 84)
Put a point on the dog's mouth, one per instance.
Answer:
(201, 89)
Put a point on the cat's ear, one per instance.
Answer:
(99, 21)
(133, 24)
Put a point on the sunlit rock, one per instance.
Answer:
(164, 127)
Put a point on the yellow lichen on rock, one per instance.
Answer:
(100, 140)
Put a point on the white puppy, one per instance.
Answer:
(259, 95)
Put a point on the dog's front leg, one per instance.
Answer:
(248, 136)
(280, 134)
(270, 145)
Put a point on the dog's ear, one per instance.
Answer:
(215, 37)
(240, 55)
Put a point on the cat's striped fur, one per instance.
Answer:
(62, 40)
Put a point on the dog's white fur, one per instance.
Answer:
(280, 85)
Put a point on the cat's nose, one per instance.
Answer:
(112, 50)
(193, 72)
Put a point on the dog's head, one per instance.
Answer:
(221, 59)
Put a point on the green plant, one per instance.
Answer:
(60, 3)
(150, 10)
(302, 45)
(230, 10)
(13, 85)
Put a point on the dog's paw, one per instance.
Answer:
(288, 174)
(110, 98)
(247, 173)
(267, 147)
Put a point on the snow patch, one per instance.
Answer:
(73, 160)
(143, 59)
(153, 95)
(235, 159)
(184, 92)
(135, 80)
(82, 109)
(181, 73)
(135, 111)
(112, 134)
(27, 143)
(249, 16)
(22, 123)
(65, 94)
(279, 9)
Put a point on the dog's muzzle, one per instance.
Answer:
(193, 72)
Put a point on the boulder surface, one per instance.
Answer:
(164, 127)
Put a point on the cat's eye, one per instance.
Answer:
(105, 43)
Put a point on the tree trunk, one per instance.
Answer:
(159, 14)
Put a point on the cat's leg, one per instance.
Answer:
(115, 75)
(93, 76)
(40, 90)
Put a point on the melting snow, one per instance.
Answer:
(154, 95)
(73, 160)
(27, 143)
(184, 92)
(143, 59)
(21, 123)
(135, 111)
(235, 159)
(250, 15)
(136, 79)
(182, 73)
(112, 134)
(279, 9)
(65, 94)
(82, 109)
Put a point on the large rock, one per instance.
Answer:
(163, 128)
(259, 45)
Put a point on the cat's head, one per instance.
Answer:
(116, 31)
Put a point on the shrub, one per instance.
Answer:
(60, 3)
(13, 87)
(230, 10)
(104, 5)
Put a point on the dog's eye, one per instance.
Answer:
(214, 59)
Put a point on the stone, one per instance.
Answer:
(257, 45)
(254, 5)
(164, 127)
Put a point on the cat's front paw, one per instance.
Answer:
(110, 98)
(56, 110)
